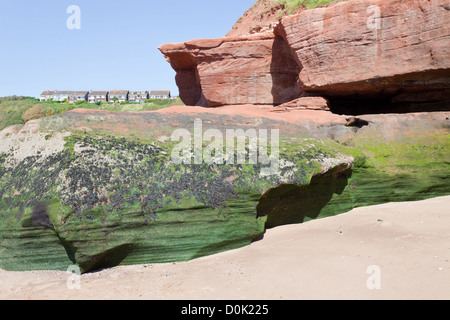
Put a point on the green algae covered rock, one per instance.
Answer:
(100, 189)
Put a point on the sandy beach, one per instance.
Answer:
(390, 251)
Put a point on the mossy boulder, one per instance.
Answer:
(101, 189)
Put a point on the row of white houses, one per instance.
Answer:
(104, 96)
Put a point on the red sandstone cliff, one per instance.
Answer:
(357, 52)
(264, 15)
(255, 69)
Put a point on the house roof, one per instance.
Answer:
(53, 92)
(138, 92)
(118, 92)
(160, 93)
(62, 92)
(98, 93)
(79, 93)
(48, 93)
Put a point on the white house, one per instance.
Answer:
(76, 96)
(55, 95)
(121, 95)
(98, 96)
(138, 96)
(46, 95)
(160, 94)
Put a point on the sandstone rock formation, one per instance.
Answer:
(365, 56)
(372, 48)
(256, 69)
(264, 15)
(99, 189)
(105, 199)
(305, 103)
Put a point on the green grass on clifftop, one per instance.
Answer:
(310, 4)
(13, 108)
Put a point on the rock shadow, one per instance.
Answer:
(40, 216)
(108, 259)
(285, 73)
(291, 204)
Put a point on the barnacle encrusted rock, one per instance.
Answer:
(113, 195)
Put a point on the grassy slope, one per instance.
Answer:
(294, 4)
(12, 109)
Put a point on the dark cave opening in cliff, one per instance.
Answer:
(421, 101)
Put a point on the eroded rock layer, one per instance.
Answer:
(372, 48)
(256, 69)
(100, 189)
(365, 56)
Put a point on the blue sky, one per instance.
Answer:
(116, 47)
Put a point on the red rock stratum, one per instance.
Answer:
(255, 69)
(361, 55)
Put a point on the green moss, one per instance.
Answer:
(122, 200)
(404, 169)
